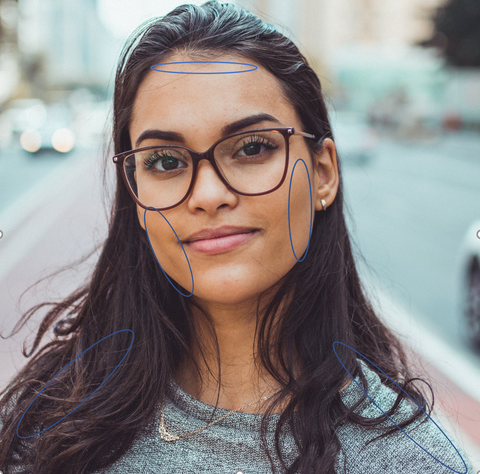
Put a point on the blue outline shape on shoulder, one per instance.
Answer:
(121, 330)
(185, 62)
(145, 221)
(338, 342)
(311, 206)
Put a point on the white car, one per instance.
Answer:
(37, 126)
(469, 267)
(20, 114)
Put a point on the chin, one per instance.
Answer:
(228, 293)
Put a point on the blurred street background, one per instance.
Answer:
(402, 82)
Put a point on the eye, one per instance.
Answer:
(253, 144)
(169, 160)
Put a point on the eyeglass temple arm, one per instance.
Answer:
(307, 135)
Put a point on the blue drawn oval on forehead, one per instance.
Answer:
(185, 62)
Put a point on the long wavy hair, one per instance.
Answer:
(128, 290)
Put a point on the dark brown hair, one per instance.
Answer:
(128, 290)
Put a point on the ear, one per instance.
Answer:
(326, 178)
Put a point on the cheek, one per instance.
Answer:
(301, 210)
(277, 254)
(162, 239)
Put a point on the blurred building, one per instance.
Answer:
(325, 28)
(328, 25)
(9, 53)
(74, 47)
(58, 45)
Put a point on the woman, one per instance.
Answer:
(233, 336)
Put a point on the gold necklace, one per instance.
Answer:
(168, 436)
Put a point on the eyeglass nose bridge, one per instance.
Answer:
(209, 156)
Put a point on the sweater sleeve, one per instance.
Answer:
(363, 452)
(398, 454)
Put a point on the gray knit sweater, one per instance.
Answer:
(233, 446)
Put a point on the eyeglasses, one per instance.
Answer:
(251, 163)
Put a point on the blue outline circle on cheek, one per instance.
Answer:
(145, 221)
(338, 342)
(311, 206)
(116, 332)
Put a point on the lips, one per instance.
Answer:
(221, 244)
(217, 233)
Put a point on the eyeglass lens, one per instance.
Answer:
(253, 162)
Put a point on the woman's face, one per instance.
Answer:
(198, 106)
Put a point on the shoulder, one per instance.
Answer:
(424, 446)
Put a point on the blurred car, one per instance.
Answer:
(20, 114)
(354, 138)
(55, 133)
(37, 126)
(469, 265)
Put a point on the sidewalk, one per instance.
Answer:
(454, 379)
(457, 412)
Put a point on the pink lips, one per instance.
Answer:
(221, 244)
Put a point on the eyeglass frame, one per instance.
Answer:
(286, 132)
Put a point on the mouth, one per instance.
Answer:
(221, 244)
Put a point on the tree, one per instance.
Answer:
(457, 32)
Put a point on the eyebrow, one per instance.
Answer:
(226, 130)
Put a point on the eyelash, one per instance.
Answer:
(153, 158)
(260, 141)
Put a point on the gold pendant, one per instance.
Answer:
(165, 434)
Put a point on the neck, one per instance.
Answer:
(242, 381)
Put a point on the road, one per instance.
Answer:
(407, 212)
(59, 218)
(22, 170)
(410, 210)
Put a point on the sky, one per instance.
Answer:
(121, 17)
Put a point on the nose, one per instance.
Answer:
(208, 188)
(206, 175)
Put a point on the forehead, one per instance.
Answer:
(203, 103)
